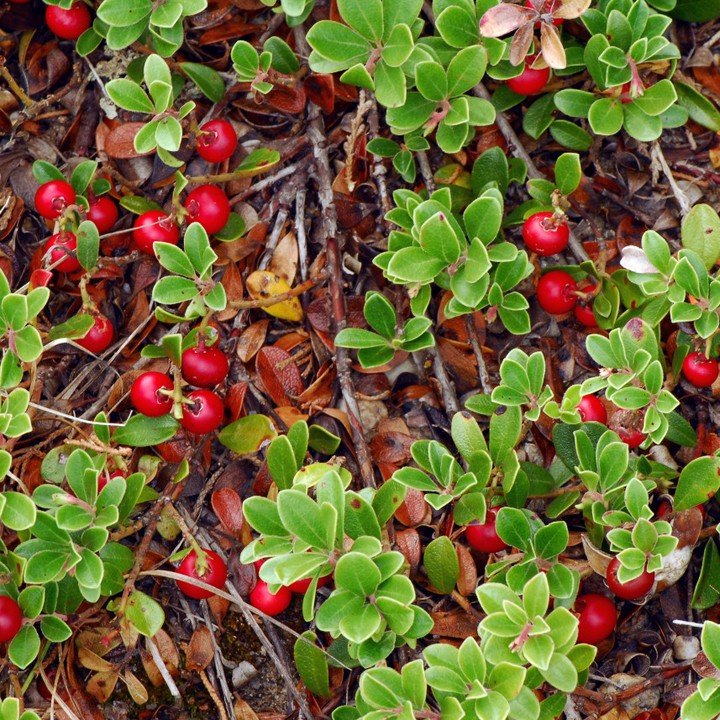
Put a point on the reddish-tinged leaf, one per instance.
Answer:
(279, 375)
(414, 508)
(286, 99)
(227, 505)
(571, 9)
(319, 393)
(320, 89)
(456, 624)
(504, 18)
(391, 447)
(252, 340)
(468, 579)
(119, 142)
(520, 44)
(235, 400)
(229, 30)
(409, 544)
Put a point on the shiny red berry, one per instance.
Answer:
(51, 198)
(209, 206)
(10, 618)
(631, 437)
(104, 478)
(214, 573)
(99, 336)
(204, 366)
(483, 536)
(217, 141)
(631, 590)
(204, 414)
(154, 226)
(104, 213)
(556, 292)
(531, 81)
(300, 587)
(544, 234)
(68, 24)
(263, 600)
(146, 397)
(591, 409)
(597, 616)
(625, 95)
(700, 370)
(584, 313)
(60, 249)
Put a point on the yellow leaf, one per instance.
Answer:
(263, 284)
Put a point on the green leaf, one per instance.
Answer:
(55, 629)
(707, 587)
(145, 614)
(129, 96)
(357, 574)
(88, 244)
(380, 314)
(144, 431)
(246, 435)
(209, 81)
(82, 175)
(365, 16)
(123, 13)
(18, 511)
(701, 109)
(701, 233)
(281, 462)
(312, 665)
(441, 564)
(699, 481)
(24, 647)
(337, 43)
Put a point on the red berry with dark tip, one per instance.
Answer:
(104, 213)
(204, 366)
(556, 292)
(68, 24)
(204, 414)
(99, 336)
(700, 370)
(631, 590)
(531, 81)
(483, 536)
(209, 206)
(10, 618)
(60, 249)
(51, 198)
(597, 617)
(154, 226)
(544, 234)
(214, 573)
(591, 409)
(146, 397)
(263, 600)
(217, 141)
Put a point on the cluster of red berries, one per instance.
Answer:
(591, 409)
(558, 293)
(152, 393)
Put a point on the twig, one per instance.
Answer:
(274, 299)
(316, 133)
(678, 192)
(449, 395)
(482, 369)
(162, 668)
(518, 150)
(213, 694)
(300, 233)
(426, 171)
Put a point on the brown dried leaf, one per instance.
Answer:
(119, 143)
(455, 624)
(285, 258)
(520, 44)
(279, 375)
(468, 579)
(200, 650)
(409, 544)
(137, 690)
(552, 47)
(92, 661)
(101, 685)
(504, 18)
(227, 505)
(243, 711)
(571, 9)
(252, 340)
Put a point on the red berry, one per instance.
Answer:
(205, 414)
(483, 536)
(262, 599)
(215, 574)
(104, 478)
(204, 366)
(665, 508)
(51, 198)
(701, 371)
(10, 618)
(60, 249)
(631, 437)
(625, 96)
(217, 141)
(597, 618)
(631, 590)
(544, 234)
(104, 213)
(154, 226)
(556, 292)
(99, 336)
(592, 410)
(209, 206)
(301, 586)
(68, 24)
(145, 395)
(531, 81)
(584, 313)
